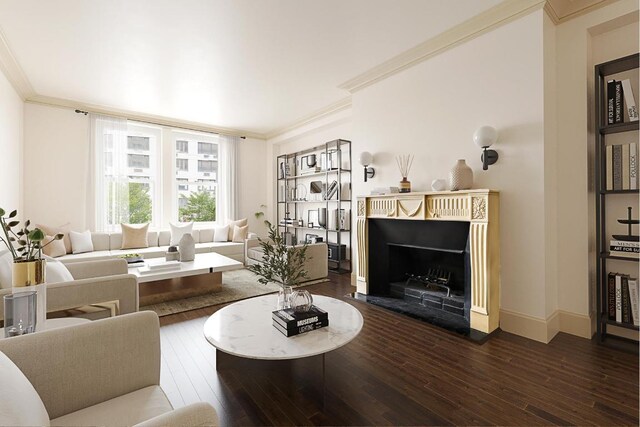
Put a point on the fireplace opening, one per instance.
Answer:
(421, 269)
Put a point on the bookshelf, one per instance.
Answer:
(305, 194)
(609, 201)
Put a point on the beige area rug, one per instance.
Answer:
(236, 285)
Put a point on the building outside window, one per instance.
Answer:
(138, 161)
(206, 166)
(138, 143)
(182, 165)
(207, 148)
(182, 146)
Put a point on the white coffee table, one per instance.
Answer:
(192, 278)
(244, 330)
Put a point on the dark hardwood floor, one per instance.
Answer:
(401, 371)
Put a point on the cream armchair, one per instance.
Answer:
(103, 373)
(96, 283)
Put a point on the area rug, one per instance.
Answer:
(236, 285)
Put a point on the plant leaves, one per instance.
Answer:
(22, 242)
(13, 213)
(27, 223)
(20, 233)
(2, 212)
(58, 236)
(13, 223)
(36, 235)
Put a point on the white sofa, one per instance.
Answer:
(102, 373)
(107, 245)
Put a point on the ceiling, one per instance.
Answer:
(251, 65)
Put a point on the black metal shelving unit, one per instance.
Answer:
(603, 72)
(294, 207)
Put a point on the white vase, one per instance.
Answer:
(187, 248)
(460, 176)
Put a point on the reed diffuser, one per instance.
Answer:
(404, 165)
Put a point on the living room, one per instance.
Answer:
(213, 101)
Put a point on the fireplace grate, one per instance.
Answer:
(431, 290)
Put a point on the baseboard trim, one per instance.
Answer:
(543, 330)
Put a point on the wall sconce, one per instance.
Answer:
(484, 138)
(366, 159)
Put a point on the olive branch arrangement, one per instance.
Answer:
(23, 243)
(281, 264)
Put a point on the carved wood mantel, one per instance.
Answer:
(478, 207)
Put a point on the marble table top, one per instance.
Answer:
(245, 329)
(208, 262)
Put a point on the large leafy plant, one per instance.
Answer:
(281, 264)
(23, 243)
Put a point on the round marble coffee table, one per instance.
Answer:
(245, 330)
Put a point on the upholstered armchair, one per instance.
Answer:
(100, 285)
(105, 373)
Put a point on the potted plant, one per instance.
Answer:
(25, 246)
(281, 264)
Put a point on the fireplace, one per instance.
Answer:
(432, 256)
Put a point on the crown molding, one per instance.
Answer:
(334, 108)
(12, 70)
(564, 10)
(132, 115)
(488, 20)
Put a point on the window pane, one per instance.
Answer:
(206, 165)
(138, 161)
(196, 203)
(182, 146)
(128, 202)
(138, 143)
(182, 164)
(206, 148)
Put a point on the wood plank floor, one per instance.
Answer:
(401, 371)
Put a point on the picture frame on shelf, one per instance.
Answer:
(312, 218)
(311, 238)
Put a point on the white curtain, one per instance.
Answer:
(227, 208)
(109, 147)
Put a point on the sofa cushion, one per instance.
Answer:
(125, 410)
(52, 231)
(206, 235)
(177, 231)
(152, 238)
(240, 223)
(100, 241)
(56, 271)
(6, 269)
(227, 248)
(221, 234)
(134, 236)
(81, 242)
(88, 256)
(202, 248)
(255, 253)
(52, 247)
(20, 404)
(164, 237)
(151, 252)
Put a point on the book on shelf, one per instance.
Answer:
(633, 166)
(625, 166)
(629, 100)
(624, 249)
(614, 242)
(633, 299)
(617, 167)
(619, 115)
(611, 100)
(609, 166)
(622, 299)
(625, 254)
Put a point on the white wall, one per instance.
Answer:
(57, 148)
(432, 109)
(577, 51)
(11, 119)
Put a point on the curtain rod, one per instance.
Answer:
(162, 124)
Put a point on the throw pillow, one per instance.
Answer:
(6, 269)
(52, 231)
(240, 233)
(57, 272)
(81, 242)
(239, 223)
(221, 234)
(55, 248)
(134, 236)
(177, 231)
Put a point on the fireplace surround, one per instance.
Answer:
(439, 249)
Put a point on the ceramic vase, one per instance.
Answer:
(187, 248)
(31, 276)
(322, 217)
(460, 176)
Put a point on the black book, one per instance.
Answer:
(301, 329)
(611, 100)
(290, 319)
(617, 167)
(619, 115)
(611, 296)
(626, 303)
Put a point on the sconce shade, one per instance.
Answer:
(366, 158)
(485, 136)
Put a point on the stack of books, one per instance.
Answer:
(616, 90)
(622, 166)
(622, 298)
(291, 323)
(624, 248)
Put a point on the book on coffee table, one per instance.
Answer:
(290, 322)
(168, 265)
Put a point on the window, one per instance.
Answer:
(128, 181)
(196, 197)
(206, 166)
(182, 146)
(206, 148)
(138, 161)
(138, 143)
(182, 165)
